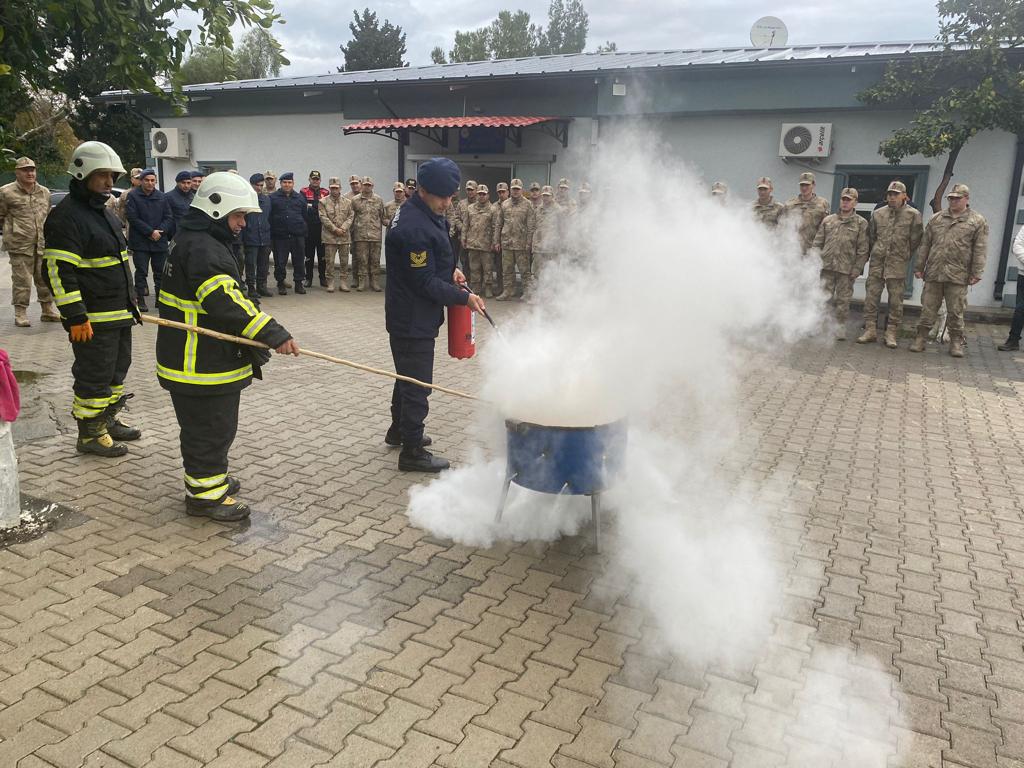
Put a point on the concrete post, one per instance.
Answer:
(10, 496)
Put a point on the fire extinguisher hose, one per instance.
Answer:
(308, 353)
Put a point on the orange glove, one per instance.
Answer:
(81, 333)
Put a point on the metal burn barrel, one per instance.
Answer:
(582, 461)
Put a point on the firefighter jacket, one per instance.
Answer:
(146, 213)
(336, 215)
(420, 267)
(894, 234)
(257, 225)
(287, 215)
(953, 248)
(86, 262)
(809, 214)
(843, 242)
(768, 213)
(478, 230)
(22, 215)
(550, 228)
(201, 286)
(369, 218)
(517, 222)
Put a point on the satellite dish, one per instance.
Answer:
(768, 32)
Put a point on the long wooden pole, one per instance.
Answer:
(307, 352)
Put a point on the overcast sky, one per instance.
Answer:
(315, 28)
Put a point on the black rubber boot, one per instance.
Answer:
(394, 437)
(224, 510)
(115, 428)
(93, 438)
(261, 289)
(234, 486)
(419, 459)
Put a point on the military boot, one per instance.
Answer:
(50, 313)
(361, 285)
(890, 338)
(225, 510)
(956, 344)
(261, 289)
(343, 284)
(918, 344)
(21, 317)
(374, 285)
(870, 334)
(94, 438)
(419, 459)
(115, 427)
(282, 289)
(504, 296)
(251, 292)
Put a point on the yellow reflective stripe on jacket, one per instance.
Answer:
(255, 325)
(191, 342)
(110, 317)
(210, 285)
(59, 294)
(55, 254)
(176, 302)
(102, 261)
(67, 298)
(224, 377)
(205, 482)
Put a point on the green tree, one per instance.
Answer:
(512, 36)
(373, 45)
(208, 64)
(258, 55)
(568, 24)
(608, 46)
(471, 46)
(437, 55)
(975, 84)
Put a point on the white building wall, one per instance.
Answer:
(738, 149)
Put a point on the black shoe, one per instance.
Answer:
(323, 282)
(420, 460)
(142, 304)
(281, 290)
(309, 282)
(394, 437)
(250, 292)
(299, 288)
(225, 510)
(262, 291)
(1009, 346)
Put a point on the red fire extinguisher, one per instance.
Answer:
(461, 331)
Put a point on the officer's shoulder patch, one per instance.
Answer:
(417, 259)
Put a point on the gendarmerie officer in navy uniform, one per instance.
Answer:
(421, 281)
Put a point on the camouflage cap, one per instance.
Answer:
(481, 189)
(719, 188)
(534, 186)
(354, 178)
(502, 186)
(25, 162)
(368, 180)
(269, 175)
(959, 190)
(334, 181)
(584, 188)
(546, 191)
(897, 186)
(398, 185)
(470, 184)
(516, 184)
(806, 177)
(850, 193)
(136, 173)
(764, 183)
(563, 183)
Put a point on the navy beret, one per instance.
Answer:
(197, 175)
(256, 178)
(289, 176)
(147, 172)
(183, 176)
(439, 176)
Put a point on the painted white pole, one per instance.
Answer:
(10, 496)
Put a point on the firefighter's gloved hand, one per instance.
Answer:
(81, 333)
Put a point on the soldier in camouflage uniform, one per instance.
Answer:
(562, 197)
(766, 210)
(355, 187)
(842, 239)
(534, 193)
(719, 192)
(549, 231)
(478, 241)
(951, 257)
(518, 220)
(393, 205)
(366, 235)
(496, 280)
(336, 215)
(810, 209)
(894, 234)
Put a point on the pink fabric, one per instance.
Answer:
(10, 398)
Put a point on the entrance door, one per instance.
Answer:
(531, 172)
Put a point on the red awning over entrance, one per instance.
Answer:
(436, 128)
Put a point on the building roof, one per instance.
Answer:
(582, 63)
(445, 122)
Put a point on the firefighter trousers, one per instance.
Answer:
(100, 367)
(208, 425)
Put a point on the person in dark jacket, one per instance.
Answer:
(256, 238)
(288, 232)
(87, 270)
(315, 249)
(149, 225)
(205, 376)
(179, 199)
(421, 282)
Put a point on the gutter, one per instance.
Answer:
(1011, 218)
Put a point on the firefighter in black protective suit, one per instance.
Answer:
(205, 376)
(87, 270)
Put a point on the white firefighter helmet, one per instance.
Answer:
(90, 156)
(222, 193)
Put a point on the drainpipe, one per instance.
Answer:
(1011, 218)
(401, 136)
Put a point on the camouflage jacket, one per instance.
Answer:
(843, 242)
(454, 217)
(810, 213)
(369, 218)
(518, 220)
(550, 228)
(478, 227)
(23, 214)
(390, 209)
(894, 235)
(768, 213)
(953, 248)
(336, 216)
